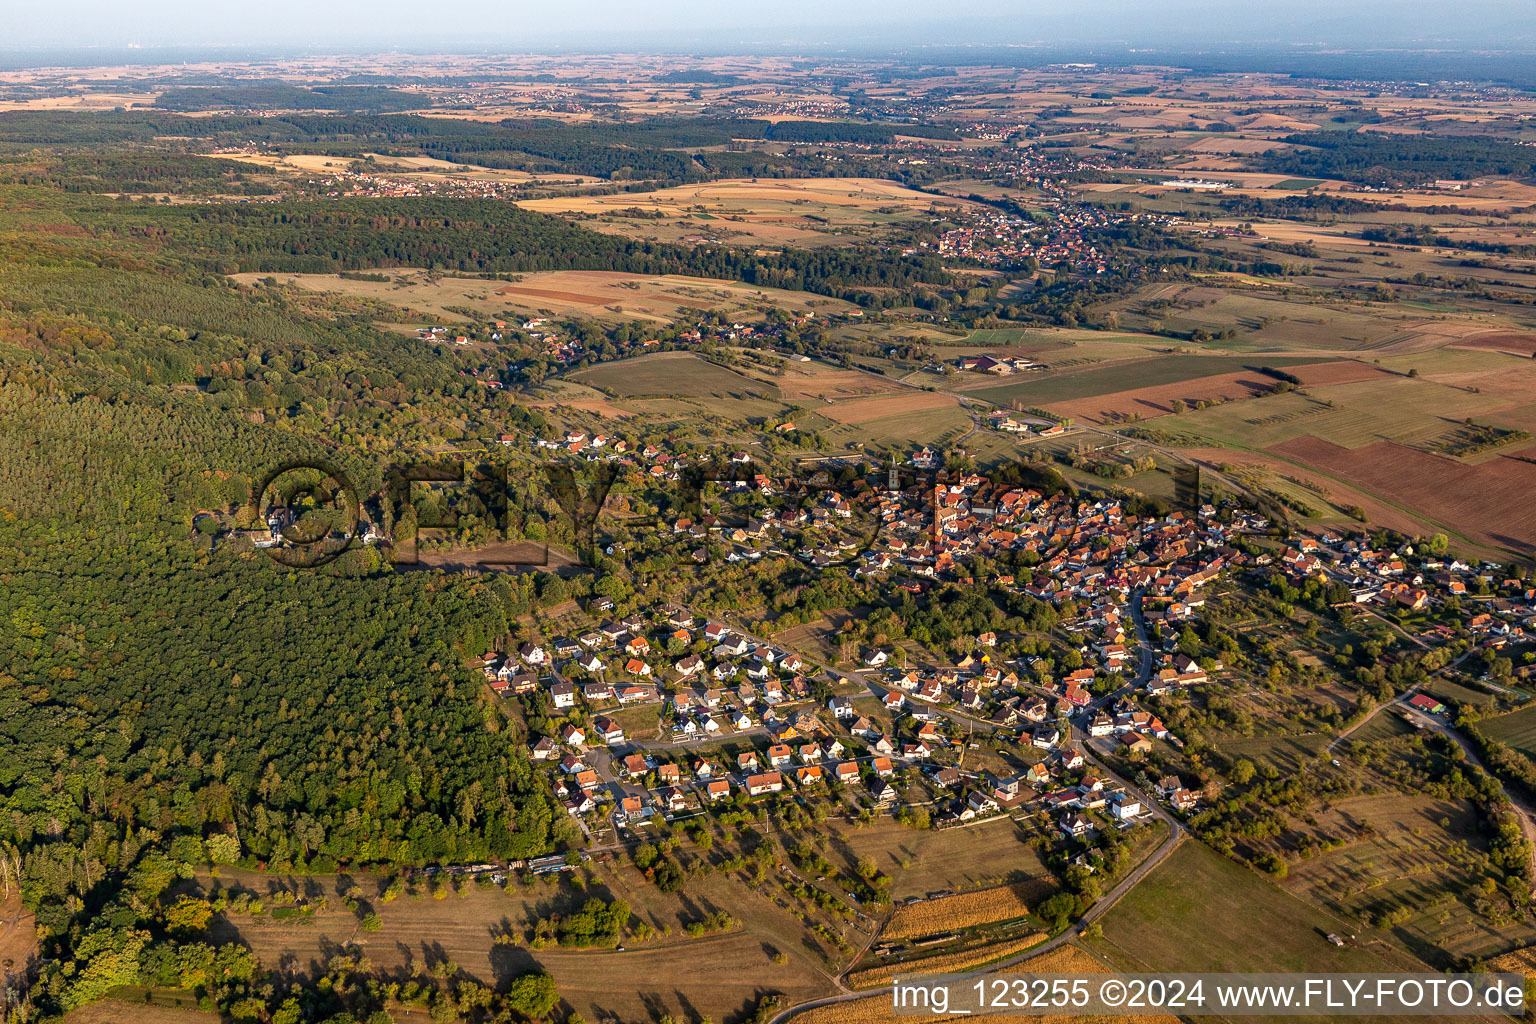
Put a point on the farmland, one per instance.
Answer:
(964, 910)
(1120, 376)
(602, 294)
(669, 374)
(805, 212)
(965, 959)
(1516, 729)
(1198, 911)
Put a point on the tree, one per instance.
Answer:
(223, 849)
(188, 915)
(1056, 910)
(534, 995)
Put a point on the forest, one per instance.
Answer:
(278, 95)
(660, 148)
(1399, 159)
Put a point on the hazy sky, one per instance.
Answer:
(722, 24)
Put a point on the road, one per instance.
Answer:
(1525, 813)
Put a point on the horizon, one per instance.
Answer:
(290, 28)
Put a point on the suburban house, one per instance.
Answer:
(768, 782)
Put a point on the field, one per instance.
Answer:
(946, 962)
(863, 410)
(928, 861)
(941, 425)
(1156, 401)
(1516, 729)
(719, 975)
(964, 910)
(785, 211)
(1487, 503)
(670, 373)
(1096, 381)
(1519, 343)
(820, 380)
(1396, 851)
(602, 294)
(1198, 911)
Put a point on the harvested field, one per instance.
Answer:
(598, 293)
(1063, 960)
(1378, 512)
(1109, 378)
(546, 293)
(1517, 343)
(1157, 401)
(945, 963)
(965, 910)
(1342, 371)
(1488, 503)
(862, 410)
(788, 211)
(802, 380)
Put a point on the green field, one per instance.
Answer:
(1455, 693)
(672, 373)
(1412, 412)
(1266, 322)
(1297, 183)
(1516, 729)
(1107, 379)
(936, 427)
(1287, 753)
(1198, 911)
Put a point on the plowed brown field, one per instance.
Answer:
(1489, 503)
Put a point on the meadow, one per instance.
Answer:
(608, 295)
(671, 373)
(804, 212)
(1516, 729)
(1198, 911)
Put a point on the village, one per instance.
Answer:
(661, 714)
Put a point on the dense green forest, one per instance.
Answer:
(479, 236)
(280, 96)
(149, 727)
(1403, 159)
(664, 148)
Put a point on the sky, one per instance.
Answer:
(726, 26)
